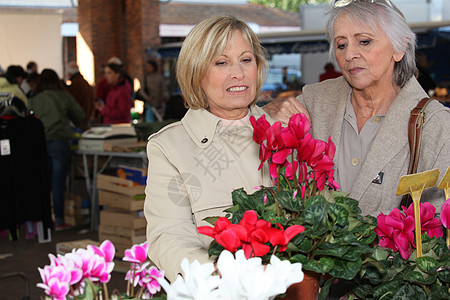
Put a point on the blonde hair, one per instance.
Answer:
(205, 42)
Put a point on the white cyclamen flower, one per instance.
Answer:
(240, 279)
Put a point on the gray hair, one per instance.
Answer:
(388, 18)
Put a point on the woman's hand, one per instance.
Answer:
(282, 110)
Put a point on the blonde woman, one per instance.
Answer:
(196, 163)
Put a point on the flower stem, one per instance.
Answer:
(105, 288)
(93, 290)
(272, 193)
(132, 283)
(141, 291)
(293, 170)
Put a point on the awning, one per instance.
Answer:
(297, 47)
(313, 41)
(301, 47)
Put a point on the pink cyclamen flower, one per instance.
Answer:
(99, 270)
(137, 253)
(55, 281)
(106, 250)
(299, 125)
(260, 127)
(431, 225)
(445, 214)
(396, 231)
(150, 280)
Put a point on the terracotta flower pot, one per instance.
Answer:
(308, 289)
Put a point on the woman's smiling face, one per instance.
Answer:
(230, 82)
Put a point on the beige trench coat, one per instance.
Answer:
(194, 165)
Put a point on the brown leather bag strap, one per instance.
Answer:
(415, 125)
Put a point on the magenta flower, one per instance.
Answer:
(99, 271)
(445, 214)
(260, 127)
(55, 281)
(431, 225)
(137, 253)
(396, 231)
(146, 277)
(385, 232)
(150, 280)
(299, 125)
(274, 139)
(106, 250)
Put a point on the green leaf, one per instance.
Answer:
(354, 253)
(90, 290)
(325, 289)
(439, 292)
(211, 220)
(287, 201)
(427, 264)
(417, 277)
(305, 245)
(362, 291)
(339, 214)
(326, 193)
(246, 201)
(369, 239)
(345, 269)
(374, 272)
(444, 274)
(352, 204)
(315, 200)
(299, 258)
(337, 251)
(346, 238)
(272, 208)
(339, 194)
(323, 265)
(215, 249)
(410, 292)
(316, 216)
(384, 290)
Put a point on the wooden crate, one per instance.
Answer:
(121, 266)
(121, 235)
(127, 220)
(66, 247)
(74, 213)
(121, 201)
(121, 231)
(75, 221)
(119, 185)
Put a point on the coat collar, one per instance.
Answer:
(202, 125)
(391, 138)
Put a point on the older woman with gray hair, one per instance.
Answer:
(195, 164)
(366, 111)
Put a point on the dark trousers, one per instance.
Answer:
(59, 160)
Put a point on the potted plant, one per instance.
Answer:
(394, 271)
(335, 238)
